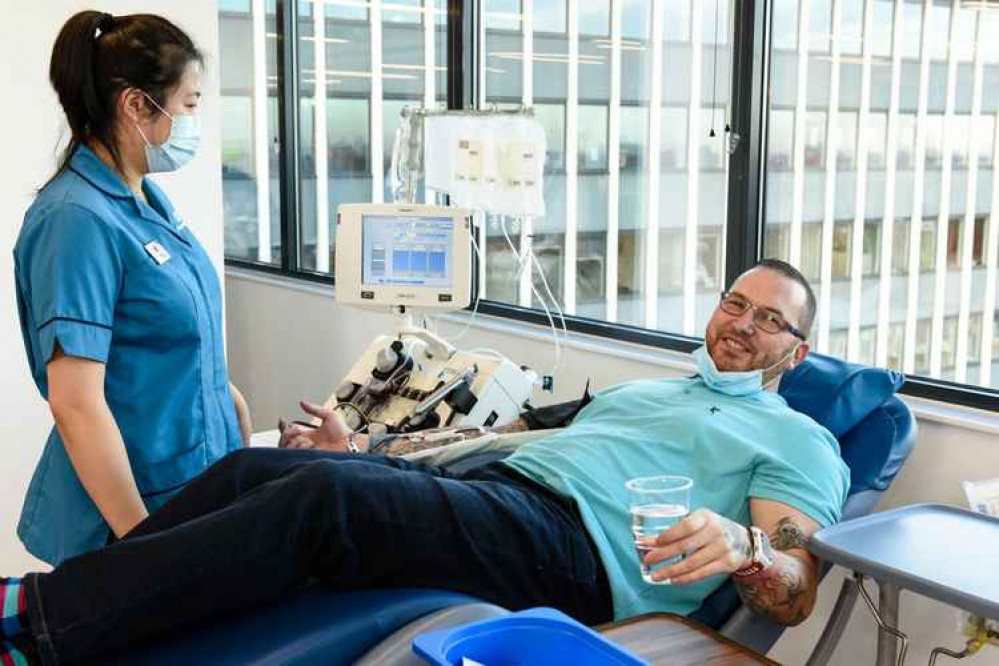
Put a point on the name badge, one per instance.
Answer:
(157, 252)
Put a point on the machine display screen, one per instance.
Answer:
(404, 250)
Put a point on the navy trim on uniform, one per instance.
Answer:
(74, 321)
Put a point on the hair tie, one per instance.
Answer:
(104, 24)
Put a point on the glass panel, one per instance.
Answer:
(673, 139)
(905, 151)
(780, 144)
(785, 25)
(851, 37)
(819, 26)
(549, 15)
(959, 141)
(846, 151)
(912, 28)
(344, 63)
(822, 192)
(242, 139)
(984, 139)
(877, 137)
(881, 27)
(815, 140)
(934, 141)
(633, 168)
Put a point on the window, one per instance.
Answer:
(641, 172)
(346, 123)
(850, 322)
(647, 166)
(249, 122)
(815, 140)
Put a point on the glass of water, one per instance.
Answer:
(656, 504)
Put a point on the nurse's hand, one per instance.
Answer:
(330, 435)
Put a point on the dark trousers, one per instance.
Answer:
(263, 522)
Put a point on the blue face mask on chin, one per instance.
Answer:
(747, 382)
(179, 148)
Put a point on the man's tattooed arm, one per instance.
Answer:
(784, 592)
(788, 534)
(517, 425)
(399, 445)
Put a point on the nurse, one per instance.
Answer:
(119, 303)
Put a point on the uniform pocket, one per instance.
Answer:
(167, 474)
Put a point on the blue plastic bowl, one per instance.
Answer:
(536, 637)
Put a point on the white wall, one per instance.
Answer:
(33, 124)
(286, 343)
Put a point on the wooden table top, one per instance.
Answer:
(673, 640)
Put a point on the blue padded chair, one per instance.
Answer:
(876, 433)
(857, 404)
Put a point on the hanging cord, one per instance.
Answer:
(555, 305)
(522, 265)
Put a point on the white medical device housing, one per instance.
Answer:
(416, 258)
(401, 383)
(408, 255)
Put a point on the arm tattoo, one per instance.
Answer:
(788, 534)
(400, 445)
(784, 593)
(517, 425)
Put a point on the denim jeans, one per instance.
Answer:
(263, 522)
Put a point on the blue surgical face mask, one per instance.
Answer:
(179, 148)
(747, 382)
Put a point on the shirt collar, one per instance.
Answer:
(168, 219)
(86, 163)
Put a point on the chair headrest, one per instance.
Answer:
(877, 447)
(837, 394)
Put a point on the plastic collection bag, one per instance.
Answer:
(493, 163)
(983, 497)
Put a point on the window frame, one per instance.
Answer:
(746, 185)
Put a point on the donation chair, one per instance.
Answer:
(857, 404)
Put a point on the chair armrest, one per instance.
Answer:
(751, 630)
(860, 504)
(397, 649)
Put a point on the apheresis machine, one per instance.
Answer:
(417, 260)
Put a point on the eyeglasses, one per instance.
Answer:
(767, 320)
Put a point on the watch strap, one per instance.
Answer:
(759, 559)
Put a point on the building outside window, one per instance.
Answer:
(877, 175)
(913, 173)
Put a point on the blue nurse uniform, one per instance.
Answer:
(113, 279)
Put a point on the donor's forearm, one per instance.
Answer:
(783, 593)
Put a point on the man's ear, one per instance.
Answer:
(800, 353)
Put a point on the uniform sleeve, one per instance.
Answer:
(804, 470)
(72, 275)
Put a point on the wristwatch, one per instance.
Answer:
(351, 445)
(762, 553)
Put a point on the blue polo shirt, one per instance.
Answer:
(734, 448)
(113, 279)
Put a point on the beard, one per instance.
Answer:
(734, 352)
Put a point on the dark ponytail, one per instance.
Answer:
(96, 56)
